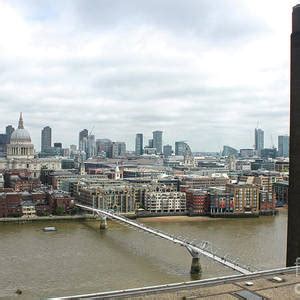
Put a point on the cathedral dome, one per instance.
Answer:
(20, 146)
(20, 135)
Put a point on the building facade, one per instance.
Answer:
(259, 140)
(46, 138)
(183, 149)
(197, 202)
(246, 198)
(21, 154)
(221, 203)
(283, 145)
(9, 130)
(83, 135)
(167, 150)
(157, 141)
(165, 202)
(139, 144)
(20, 146)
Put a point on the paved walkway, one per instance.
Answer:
(270, 284)
(264, 287)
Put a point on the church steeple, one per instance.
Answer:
(21, 125)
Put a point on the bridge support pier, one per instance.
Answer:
(103, 223)
(195, 266)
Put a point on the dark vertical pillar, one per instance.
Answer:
(196, 266)
(293, 238)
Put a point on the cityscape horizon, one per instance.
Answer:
(272, 143)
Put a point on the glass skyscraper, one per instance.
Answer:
(283, 145)
(259, 140)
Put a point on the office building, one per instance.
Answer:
(293, 243)
(122, 148)
(46, 138)
(167, 150)
(91, 146)
(139, 144)
(283, 145)
(3, 144)
(150, 143)
(157, 141)
(9, 130)
(246, 153)
(229, 151)
(268, 153)
(57, 145)
(182, 148)
(82, 144)
(259, 140)
(118, 149)
(103, 147)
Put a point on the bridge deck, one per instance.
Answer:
(189, 245)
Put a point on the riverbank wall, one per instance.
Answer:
(21, 220)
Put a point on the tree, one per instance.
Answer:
(59, 211)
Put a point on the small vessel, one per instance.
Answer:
(51, 228)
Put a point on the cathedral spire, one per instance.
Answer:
(21, 125)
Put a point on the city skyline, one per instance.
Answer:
(85, 133)
(206, 80)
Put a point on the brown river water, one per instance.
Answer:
(78, 258)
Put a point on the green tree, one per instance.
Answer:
(59, 211)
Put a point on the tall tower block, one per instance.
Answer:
(293, 238)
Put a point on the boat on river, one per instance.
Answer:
(50, 228)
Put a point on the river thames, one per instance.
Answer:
(78, 258)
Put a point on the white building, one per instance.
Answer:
(21, 154)
(28, 210)
(165, 202)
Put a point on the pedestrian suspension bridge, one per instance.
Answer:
(195, 249)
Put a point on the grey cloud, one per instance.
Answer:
(217, 20)
(121, 90)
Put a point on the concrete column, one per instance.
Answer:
(103, 223)
(196, 266)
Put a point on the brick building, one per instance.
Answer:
(60, 202)
(197, 202)
(221, 203)
(10, 204)
(246, 198)
(20, 180)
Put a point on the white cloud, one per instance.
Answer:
(204, 71)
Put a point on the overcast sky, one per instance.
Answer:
(200, 70)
